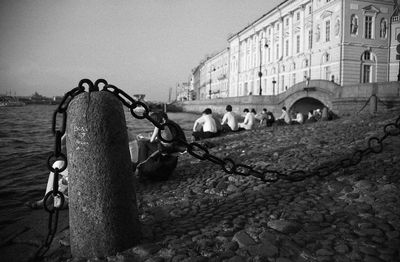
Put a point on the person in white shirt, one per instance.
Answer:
(299, 118)
(229, 121)
(205, 126)
(249, 120)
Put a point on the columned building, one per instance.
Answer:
(344, 41)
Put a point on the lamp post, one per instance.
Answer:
(209, 92)
(259, 72)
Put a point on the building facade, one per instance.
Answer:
(343, 41)
(214, 76)
(184, 91)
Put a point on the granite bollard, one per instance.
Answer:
(102, 201)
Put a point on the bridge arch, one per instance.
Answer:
(304, 105)
(317, 93)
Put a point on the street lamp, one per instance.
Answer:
(259, 72)
(209, 92)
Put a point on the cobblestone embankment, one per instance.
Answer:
(203, 214)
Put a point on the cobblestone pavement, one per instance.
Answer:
(204, 214)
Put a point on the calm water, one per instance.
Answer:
(25, 143)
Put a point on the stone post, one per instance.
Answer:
(373, 105)
(103, 212)
(325, 115)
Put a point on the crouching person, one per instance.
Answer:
(160, 165)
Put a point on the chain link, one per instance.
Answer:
(228, 165)
(54, 199)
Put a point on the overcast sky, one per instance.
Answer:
(143, 46)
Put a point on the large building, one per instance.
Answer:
(344, 41)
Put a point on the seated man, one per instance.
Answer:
(229, 121)
(147, 146)
(284, 118)
(162, 161)
(270, 118)
(299, 119)
(205, 126)
(311, 118)
(249, 120)
(263, 116)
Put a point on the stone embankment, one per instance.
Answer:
(204, 214)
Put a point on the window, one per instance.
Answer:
(309, 9)
(368, 66)
(287, 21)
(277, 51)
(366, 55)
(287, 47)
(368, 27)
(298, 16)
(366, 74)
(309, 39)
(298, 44)
(294, 78)
(328, 31)
(277, 27)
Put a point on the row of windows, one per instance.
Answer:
(368, 32)
(251, 58)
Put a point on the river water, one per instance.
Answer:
(25, 143)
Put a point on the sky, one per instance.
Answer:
(142, 47)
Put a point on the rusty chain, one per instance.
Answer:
(228, 165)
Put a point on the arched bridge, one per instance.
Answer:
(309, 95)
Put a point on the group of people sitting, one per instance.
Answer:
(208, 126)
(313, 116)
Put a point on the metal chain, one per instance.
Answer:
(54, 200)
(228, 165)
